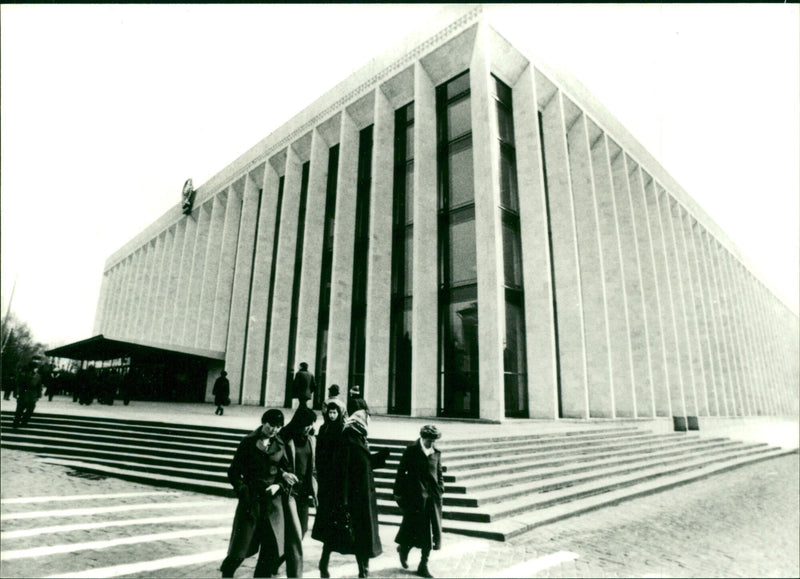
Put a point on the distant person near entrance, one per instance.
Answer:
(221, 392)
(28, 392)
(304, 385)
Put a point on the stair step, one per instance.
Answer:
(577, 453)
(495, 511)
(524, 442)
(511, 527)
(473, 442)
(561, 480)
(535, 469)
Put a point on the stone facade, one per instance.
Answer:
(636, 305)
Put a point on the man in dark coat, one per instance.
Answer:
(299, 443)
(261, 475)
(304, 385)
(29, 390)
(418, 491)
(221, 391)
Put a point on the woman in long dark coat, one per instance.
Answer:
(418, 490)
(259, 474)
(329, 442)
(357, 488)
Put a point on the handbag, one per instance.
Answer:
(227, 402)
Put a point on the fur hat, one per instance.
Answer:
(430, 431)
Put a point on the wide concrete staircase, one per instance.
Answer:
(495, 488)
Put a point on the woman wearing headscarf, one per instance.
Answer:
(260, 474)
(357, 492)
(299, 441)
(328, 443)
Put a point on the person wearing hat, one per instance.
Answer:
(221, 392)
(298, 437)
(261, 476)
(418, 490)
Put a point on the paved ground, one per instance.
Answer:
(744, 523)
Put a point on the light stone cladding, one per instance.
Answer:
(636, 305)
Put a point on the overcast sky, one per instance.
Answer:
(108, 109)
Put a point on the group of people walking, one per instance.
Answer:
(278, 472)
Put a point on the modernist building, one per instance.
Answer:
(462, 233)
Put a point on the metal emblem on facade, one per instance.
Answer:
(188, 196)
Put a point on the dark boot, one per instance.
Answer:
(363, 566)
(402, 550)
(323, 562)
(423, 570)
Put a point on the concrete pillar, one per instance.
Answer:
(593, 290)
(690, 306)
(571, 341)
(626, 399)
(690, 393)
(132, 312)
(184, 276)
(750, 337)
(709, 298)
(227, 266)
(142, 286)
(657, 320)
(758, 342)
(426, 379)
(645, 389)
(192, 311)
(663, 243)
(733, 407)
(705, 352)
(736, 347)
(112, 295)
(488, 233)
(379, 289)
(179, 230)
(744, 351)
(102, 304)
(208, 284)
(343, 240)
(129, 274)
(157, 322)
(308, 305)
(279, 325)
(243, 272)
(540, 338)
(156, 249)
(614, 281)
(259, 289)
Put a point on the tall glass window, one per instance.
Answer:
(458, 290)
(514, 355)
(402, 264)
(358, 316)
(298, 271)
(324, 315)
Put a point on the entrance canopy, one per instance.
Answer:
(101, 348)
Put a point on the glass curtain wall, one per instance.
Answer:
(514, 366)
(358, 316)
(402, 264)
(298, 271)
(458, 289)
(324, 315)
